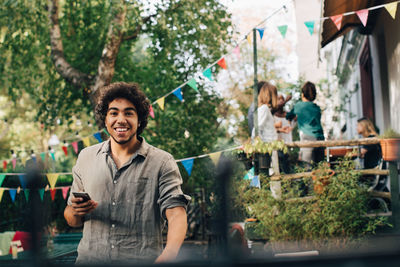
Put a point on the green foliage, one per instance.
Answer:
(390, 133)
(258, 146)
(338, 213)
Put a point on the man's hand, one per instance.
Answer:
(73, 213)
(82, 208)
(177, 225)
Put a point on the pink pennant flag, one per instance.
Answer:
(53, 193)
(4, 165)
(222, 63)
(151, 111)
(236, 51)
(65, 149)
(363, 16)
(75, 146)
(65, 190)
(14, 163)
(337, 20)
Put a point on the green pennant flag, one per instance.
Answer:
(192, 83)
(41, 193)
(2, 177)
(283, 29)
(310, 26)
(207, 73)
(43, 156)
(105, 131)
(26, 193)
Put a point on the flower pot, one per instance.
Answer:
(321, 179)
(390, 149)
(248, 164)
(264, 161)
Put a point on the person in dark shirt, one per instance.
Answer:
(371, 154)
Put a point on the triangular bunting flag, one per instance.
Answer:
(43, 156)
(178, 94)
(52, 177)
(215, 157)
(310, 26)
(261, 32)
(98, 137)
(12, 192)
(363, 16)
(337, 20)
(75, 146)
(2, 177)
(207, 73)
(249, 175)
(14, 163)
(53, 193)
(151, 111)
(160, 102)
(23, 160)
(86, 141)
(105, 130)
(41, 193)
(1, 193)
(392, 8)
(283, 29)
(222, 63)
(26, 193)
(236, 51)
(53, 156)
(4, 165)
(65, 149)
(192, 83)
(22, 180)
(188, 164)
(65, 190)
(248, 37)
(255, 182)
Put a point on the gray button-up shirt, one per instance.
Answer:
(127, 224)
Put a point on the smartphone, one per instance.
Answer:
(85, 196)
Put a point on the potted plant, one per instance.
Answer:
(390, 143)
(321, 177)
(243, 157)
(263, 150)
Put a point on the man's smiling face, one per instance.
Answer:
(122, 121)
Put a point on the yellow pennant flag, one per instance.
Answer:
(52, 177)
(392, 8)
(160, 102)
(1, 193)
(86, 141)
(248, 37)
(23, 160)
(215, 157)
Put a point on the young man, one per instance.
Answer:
(134, 187)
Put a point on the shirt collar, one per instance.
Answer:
(143, 149)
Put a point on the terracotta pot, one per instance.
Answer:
(320, 181)
(390, 149)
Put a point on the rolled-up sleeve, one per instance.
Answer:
(169, 186)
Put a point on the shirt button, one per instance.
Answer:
(115, 182)
(113, 203)
(112, 246)
(113, 225)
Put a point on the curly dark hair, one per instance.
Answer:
(309, 91)
(128, 91)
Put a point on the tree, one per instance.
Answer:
(63, 52)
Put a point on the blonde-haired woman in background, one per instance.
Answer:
(371, 154)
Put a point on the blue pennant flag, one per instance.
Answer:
(310, 26)
(178, 94)
(98, 137)
(261, 32)
(255, 182)
(12, 192)
(53, 156)
(249, 175)
(188, 164)
(207, 73)
(22, 180)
